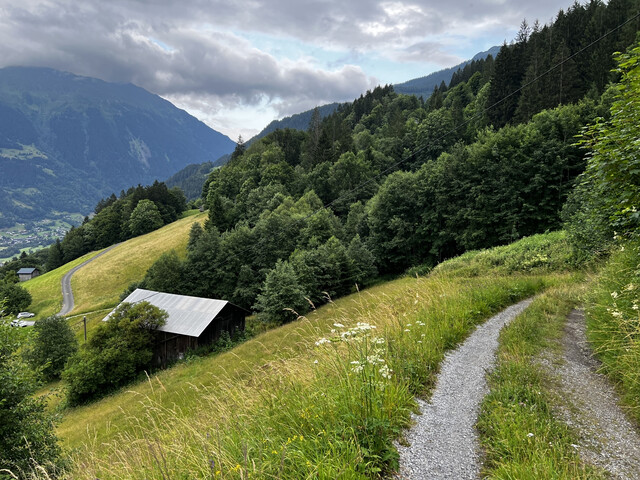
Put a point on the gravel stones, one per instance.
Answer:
(607, 438)
(443, 444)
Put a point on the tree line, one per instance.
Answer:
(405, 181)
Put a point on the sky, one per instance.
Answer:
(237, 65)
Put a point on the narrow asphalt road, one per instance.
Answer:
(67, 293)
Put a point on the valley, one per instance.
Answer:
(390, 287)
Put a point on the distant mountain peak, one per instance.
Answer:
(93, 138)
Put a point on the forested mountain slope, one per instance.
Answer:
(389, 181)
(66, 141)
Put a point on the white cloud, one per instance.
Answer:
(197, 53)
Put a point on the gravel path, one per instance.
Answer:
(67, 293)
(443, 443)
(607, 438)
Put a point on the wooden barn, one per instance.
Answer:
(25, 274)
(193, 322)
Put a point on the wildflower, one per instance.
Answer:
(630, 287)
(617, 314)
(530, 435)
(339, 325)
(635, 306)
(385, 371)
(322, 341)
(315, 361)
(407, 330)
(614, 294)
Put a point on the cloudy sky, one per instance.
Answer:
(237, 65)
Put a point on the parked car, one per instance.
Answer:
(26, 315)
(19, 323)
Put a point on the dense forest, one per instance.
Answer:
(390, 181)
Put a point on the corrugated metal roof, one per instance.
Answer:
(187, 315)
(23, 271)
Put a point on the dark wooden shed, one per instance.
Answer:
(193, 322)
(25, 274)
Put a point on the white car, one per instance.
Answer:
(25, 315)
(19, 323)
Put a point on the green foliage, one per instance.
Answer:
(613, 169)
(16, 297)
(613, 317)
(281, 299)
(116, 353)
(27, 437)
(543, 253)
(144, 218)
(166, 274)
(52, 344)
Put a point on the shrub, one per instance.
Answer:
(27, 438)
(17, 298)
(53, 343)
(118, 351)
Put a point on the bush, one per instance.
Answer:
(17, 298)
(27, 437)
(118, 351)
(53, 343)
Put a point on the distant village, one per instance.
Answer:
(32, 236)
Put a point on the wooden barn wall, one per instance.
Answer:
(171, 346)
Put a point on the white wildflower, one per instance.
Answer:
(617, 314)
(322, 341)
(635, 306)
(407, 330)
(614, 294)
(530, 435)
(385, 371)
(339, 325)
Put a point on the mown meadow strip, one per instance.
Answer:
(327, 404)
(520, 435)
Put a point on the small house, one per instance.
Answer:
(193, 322)
(25, 274)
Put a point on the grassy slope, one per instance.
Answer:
(46, 290)
(100, 283)
(254, 395)
(613, 322)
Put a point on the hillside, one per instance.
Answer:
(423, 86)
(298, 121)
(175, 406)
(67, 141)
(100, 283)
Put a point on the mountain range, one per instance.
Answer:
(423, 86)
(67, 141)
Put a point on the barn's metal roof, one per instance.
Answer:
(26, 271)
(187, 315)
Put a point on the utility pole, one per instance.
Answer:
(84, 321)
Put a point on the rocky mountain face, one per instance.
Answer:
(66, 141)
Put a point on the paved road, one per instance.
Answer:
(67, 293)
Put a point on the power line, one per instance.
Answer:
(349, 193)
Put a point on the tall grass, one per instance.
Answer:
(613, 322)
(519, 432)
(46, 289)
(322, 397)
(543, 253)
(100, 283)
